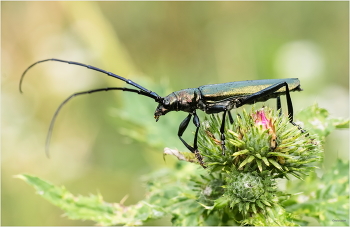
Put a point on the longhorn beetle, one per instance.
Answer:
(213, 98)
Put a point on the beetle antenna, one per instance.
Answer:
(53, 120)
(152, 94)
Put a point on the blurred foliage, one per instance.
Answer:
(229, 195)
(318, 121)
(101, 142)
(326, 198)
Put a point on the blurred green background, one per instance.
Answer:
(106, 142)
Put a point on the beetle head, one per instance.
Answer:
(166, 105)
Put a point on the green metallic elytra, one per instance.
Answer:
(218, 92)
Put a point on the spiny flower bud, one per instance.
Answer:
(262, 140)
(250, 192)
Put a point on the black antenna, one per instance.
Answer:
(152, 94)
(53, 120)
(143, 91)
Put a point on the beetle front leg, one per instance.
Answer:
(183, 127)
(199, 157)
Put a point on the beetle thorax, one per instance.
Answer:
(183, 100)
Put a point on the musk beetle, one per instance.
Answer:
(213, 98)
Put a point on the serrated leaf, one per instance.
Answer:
(93, 207)
(240, 207)
(221, 202)
(266, 202)
(340, 123)
(260, 204)
(280, 154)
(318, 121)
(240, 152)
(265, 161)
(258, 162)
(247, 160)
(273, 162)
(247, 205)
(254, 208)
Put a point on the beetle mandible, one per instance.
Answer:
(213, 98)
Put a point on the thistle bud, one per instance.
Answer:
(260, 141)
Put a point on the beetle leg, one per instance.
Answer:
(183, 127)
(230, 117)
(222, 130)
(279, 106)
(199, 157)
(197, 124)
(268, 91)
(222, 108)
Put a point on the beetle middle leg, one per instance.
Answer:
(222, 132)
(222, 107)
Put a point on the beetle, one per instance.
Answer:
(211, 99)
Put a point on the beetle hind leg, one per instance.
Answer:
(270, 90)
(230, 117)
(279, 106)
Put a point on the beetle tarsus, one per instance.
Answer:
(300, 128)
(199, 158)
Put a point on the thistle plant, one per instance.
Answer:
(238, 188)
(261, 147)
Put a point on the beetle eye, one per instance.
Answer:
(166, 102)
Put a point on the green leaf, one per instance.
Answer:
(260, 204)
(280, 154)
(340, 123)
(317, 121)
(258, 162)
(266, 161)
(93, 207)
(266, 203)
(247, 160)
(273, 162)
(240, 152)
(221, 202)
(254, 208)
(246, 207)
